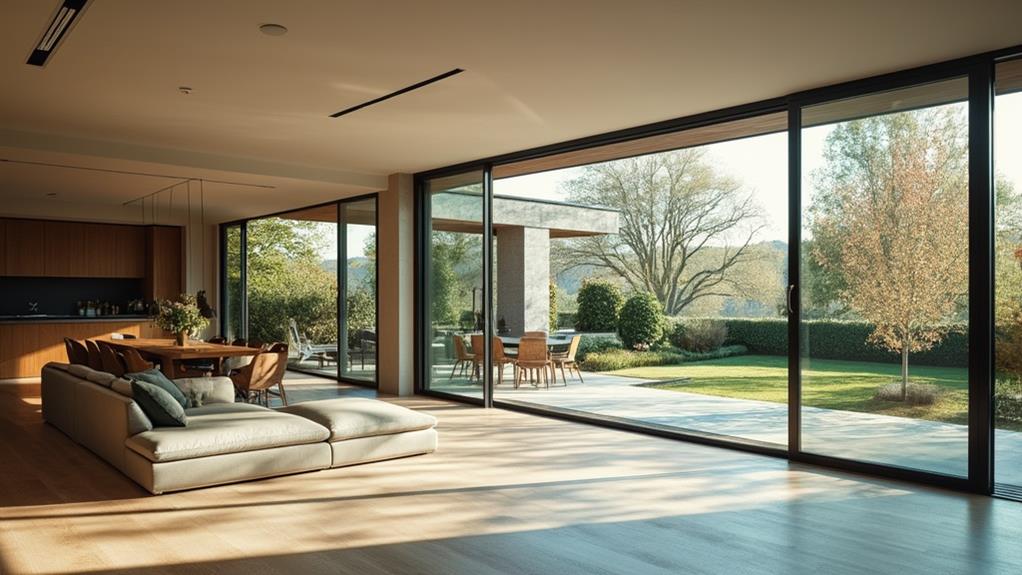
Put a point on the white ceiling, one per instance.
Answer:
(537, 72)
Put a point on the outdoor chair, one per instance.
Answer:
(533, 360)
(462, 358)
(567, 359)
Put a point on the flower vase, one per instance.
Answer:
(182, 338)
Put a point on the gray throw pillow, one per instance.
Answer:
(158, 405)
(156, 377)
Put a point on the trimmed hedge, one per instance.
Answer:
(614, 359)
(589, 345)
(845, 340)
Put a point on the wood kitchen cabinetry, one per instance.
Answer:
(36, 248)
(164, 263)
(24, 248)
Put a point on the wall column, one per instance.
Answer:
(395, 239)
(523, 278)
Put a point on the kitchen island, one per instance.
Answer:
(28, 342)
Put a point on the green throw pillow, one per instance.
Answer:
(156, 377)
(162, 409)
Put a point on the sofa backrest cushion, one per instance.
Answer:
(162, 409)
(85, 372)
(156, 377)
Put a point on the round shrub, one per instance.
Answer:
(642, 322)
(599, 302)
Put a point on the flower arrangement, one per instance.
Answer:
(181, 317)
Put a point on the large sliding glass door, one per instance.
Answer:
(1008, 278)
(454, 298)
(872, 253)
(884, 277)
(306, 277)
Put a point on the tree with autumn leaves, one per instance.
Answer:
(889, 224)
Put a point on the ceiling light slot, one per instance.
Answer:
(65, 17)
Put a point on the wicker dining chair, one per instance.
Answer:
(533, 360)
(567, 360)
(462, 358)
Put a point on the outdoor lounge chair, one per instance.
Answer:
(304, 349)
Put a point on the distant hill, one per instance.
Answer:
(360, 269)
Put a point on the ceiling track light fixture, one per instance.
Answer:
(65, 17)
(396, 93)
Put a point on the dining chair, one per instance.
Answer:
(217, 339)
(111, 360)
(77, 353)
(95, 359)
(567, 359)
(462, 358)
(240, 342)
(501, 359)
(264, 372)
(535, 334)
(133, 361)
(478, 355)
(533, 360)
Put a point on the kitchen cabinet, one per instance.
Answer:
(24, 248)
(164, 263)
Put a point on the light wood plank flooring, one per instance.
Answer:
(506, 493)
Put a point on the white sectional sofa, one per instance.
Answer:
(225, 441)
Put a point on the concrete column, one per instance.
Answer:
(396, 322)
(523, 278)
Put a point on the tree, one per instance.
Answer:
(890, 221)
(675, 209)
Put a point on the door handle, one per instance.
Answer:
(790, 303)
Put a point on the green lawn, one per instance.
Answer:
(830, 384)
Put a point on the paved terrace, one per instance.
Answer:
(913, 443)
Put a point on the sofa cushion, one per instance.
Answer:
(205, 390)
(156, 377)
(159, 406)
(85, 372)
(121, 386)
(351, 417)
(221, 428)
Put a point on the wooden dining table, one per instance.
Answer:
(169, 354)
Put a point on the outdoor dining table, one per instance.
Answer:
(169, 354)
(554, 344)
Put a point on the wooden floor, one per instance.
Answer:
(506, 493)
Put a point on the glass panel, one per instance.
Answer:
(233, 306)
(358, 284)
(1008, 281)
(884, 266)
(292, 286)
(688, 232)
(453, 297)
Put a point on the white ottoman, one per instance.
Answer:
(364, 430)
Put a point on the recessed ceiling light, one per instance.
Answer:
(184, 90)
(273, 29)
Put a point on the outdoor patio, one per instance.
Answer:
(904, 442)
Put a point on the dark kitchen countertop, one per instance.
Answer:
(56, 318)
